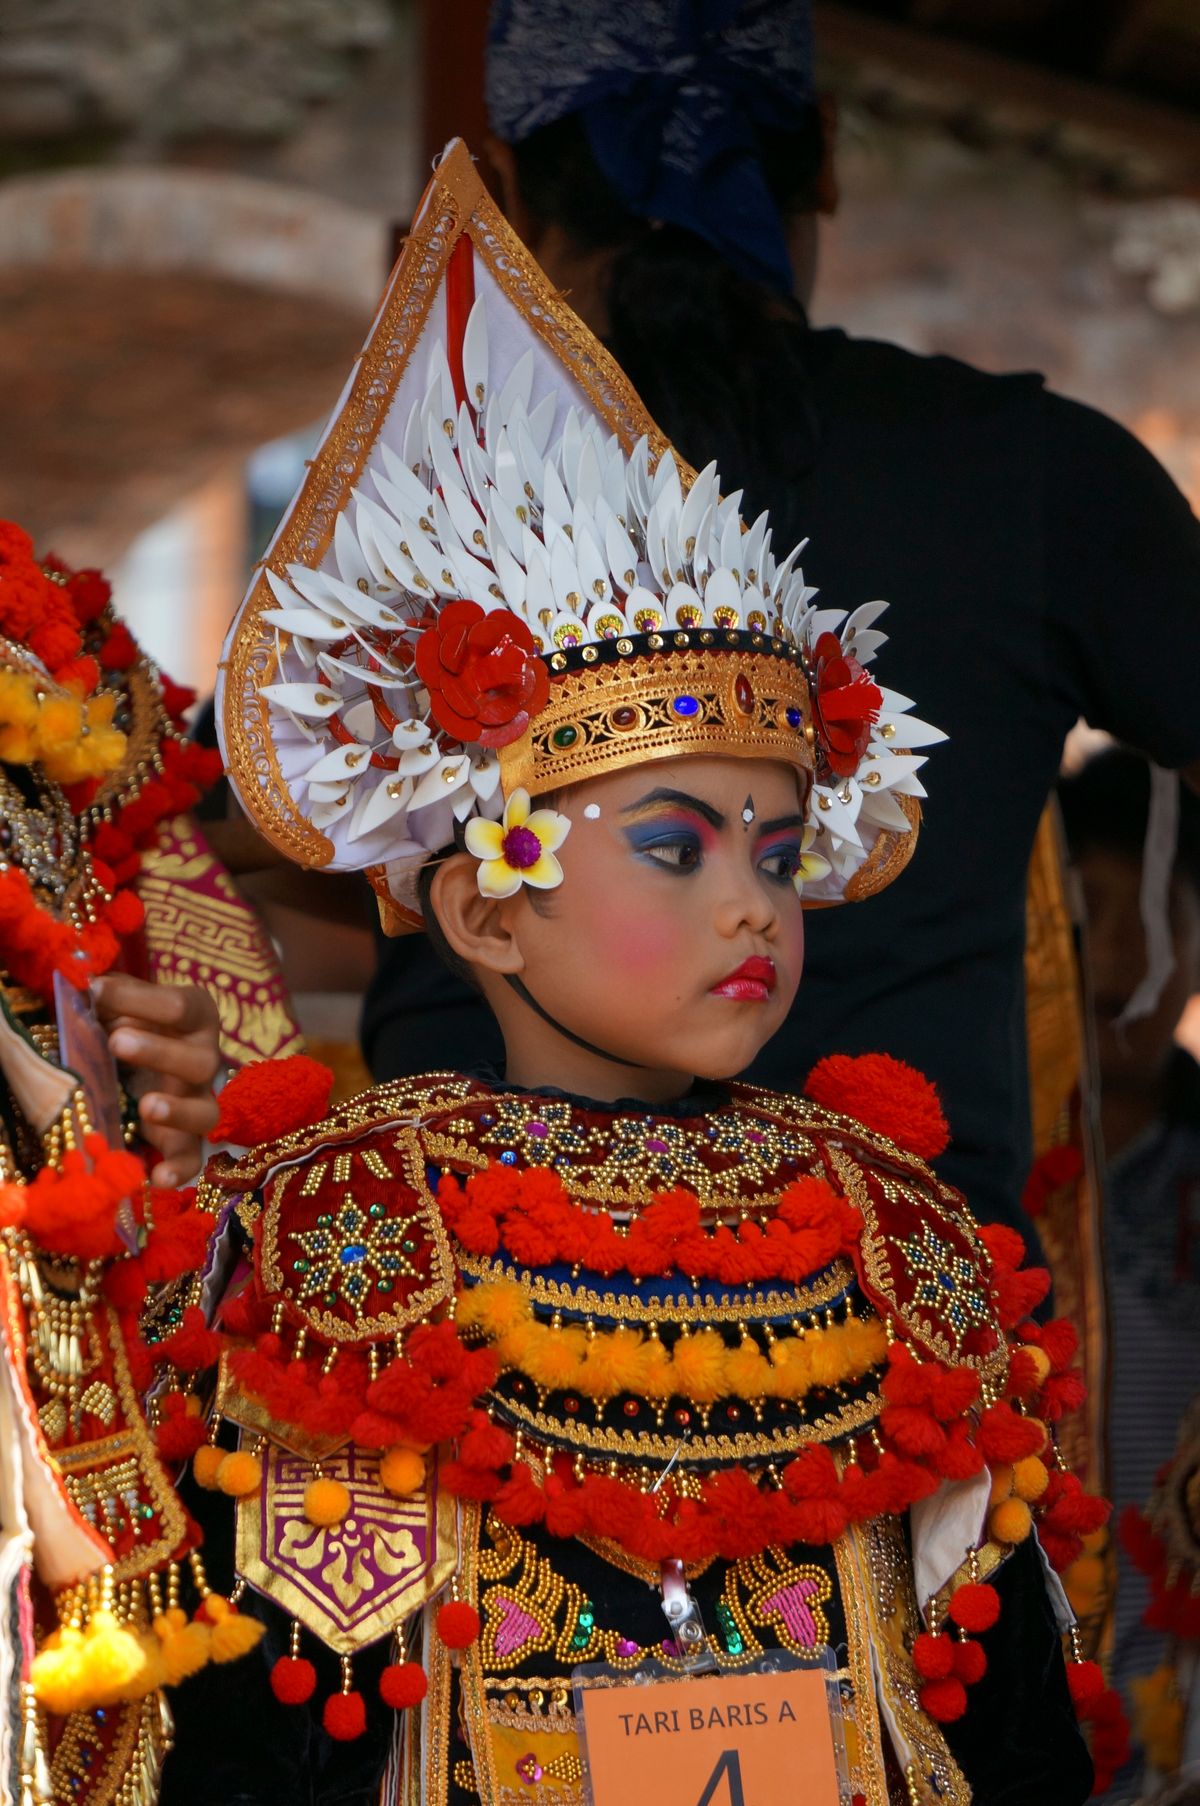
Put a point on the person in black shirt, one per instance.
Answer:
(1041, 562)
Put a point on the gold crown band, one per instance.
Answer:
(723, 701)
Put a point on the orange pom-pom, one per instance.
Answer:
(1010, 1521)
(970, 1661)
(457, 1624)
(239, 1474)
(326, 1501)
(345, 1716)
(933, 1656)
(205, 1463)
(1030, 1478)
(271, 1098)
(944, 1701)
(403, 1684)
(1002, 1483)
(402, 1471)
(975, 1607)
(293, 1680)
(885, 1094)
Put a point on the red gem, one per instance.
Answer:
(570, 1406)
(631, 1407)
(733, 1413)
(743, 691)
(683, 1418)
(624, 717)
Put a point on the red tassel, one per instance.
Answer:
(933, 1656)
(970, 1661)
(273, 1097)
(457, 1624)
(944, 1701)
(975, 1607)
(1005, 1437)
(893, 1099)
(345, 1714)
(403, 1684)
(294, 1681)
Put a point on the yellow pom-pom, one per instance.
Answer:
(1085, 1585)
(58, 1673)
(240, 1474)
(1158, 1714)
(1010, 1521)
(232, 1635)
(184, 1644)
(1030, 1477)
(205, 1463)
(154, 1669)
(114, 1661)
(402, 1471)
(1040, 1360)
(1002, 1483)
(326, 1501)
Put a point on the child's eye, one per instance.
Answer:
(781, 862)
(681, 855)
(679, 850)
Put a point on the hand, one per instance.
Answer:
(169, 1033)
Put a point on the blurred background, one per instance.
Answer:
(198, 206)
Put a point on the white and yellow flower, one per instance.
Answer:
(810, 866)
(519, 849)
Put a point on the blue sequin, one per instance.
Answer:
(508, 1157)
(686, 705)
(794, 717)
(353, 1254)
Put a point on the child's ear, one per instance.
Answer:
(477, 928)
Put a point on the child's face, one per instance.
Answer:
(676, 939)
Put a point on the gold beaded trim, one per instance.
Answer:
(606, 716)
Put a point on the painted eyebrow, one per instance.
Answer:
(682, 800)
(780, 822)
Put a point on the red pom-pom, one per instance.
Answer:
(403, 1684)
(933, 1657)
(345, 1714)
(1088, 1686)
(293, 1680)
(271, 1098)
(975, 1607)
(893, 1099)
(970, 1661)
(126, 913)
(944, 1701)
(457, 1624)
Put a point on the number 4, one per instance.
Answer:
(729, 1768)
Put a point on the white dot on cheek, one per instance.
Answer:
(592, 811)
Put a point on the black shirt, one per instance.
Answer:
(1039, 565)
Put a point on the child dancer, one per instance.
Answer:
(613, 1360)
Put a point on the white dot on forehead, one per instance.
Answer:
(592, 811)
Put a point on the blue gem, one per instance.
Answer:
(508, 1157)
(353, 1254)
(487, 1119)
(686, 705)
(100, 1715)
(794, 717)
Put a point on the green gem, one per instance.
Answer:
(331, 1297)
(385, 1285)
(563, 737)
(302, 1266)
(408, 1244)
(324, 1220)
(377, 1211)
(147, 1512)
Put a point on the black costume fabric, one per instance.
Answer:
(1040, 565)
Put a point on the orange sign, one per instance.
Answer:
(726, 1740)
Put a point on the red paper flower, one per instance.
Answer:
(484, 677)
(844, 706)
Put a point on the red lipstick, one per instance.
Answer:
(753, 981)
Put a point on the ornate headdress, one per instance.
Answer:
(498, 579)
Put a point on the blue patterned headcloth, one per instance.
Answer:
(672, 95)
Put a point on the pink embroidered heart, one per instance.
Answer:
(789, 1604)
(516, 1627)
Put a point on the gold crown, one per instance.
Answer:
(632, 700)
